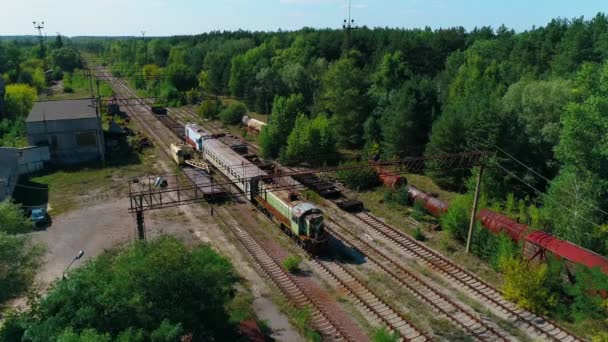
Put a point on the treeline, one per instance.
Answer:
(538, 95)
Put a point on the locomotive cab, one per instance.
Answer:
(314, 225)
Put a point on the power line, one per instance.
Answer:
(549, 181)
(540, 192)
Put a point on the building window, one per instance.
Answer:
(86, 139)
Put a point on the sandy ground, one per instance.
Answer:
(103, 225)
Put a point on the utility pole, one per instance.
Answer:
(39, 26)
(474, 211)
(348, 25)
(143, 36)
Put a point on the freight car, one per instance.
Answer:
(388, 179)
(433, 205)
(498, 223)
(253, 124)
(302, 220)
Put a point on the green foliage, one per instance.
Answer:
(383, 335)
(12, 133)
(87, 335)
(66, 58)
(181, 77)
(408, 116)
(19, 100)
(344, 94)
(209, 109)
(310, 139)
(19, 256)
(569, 205)
(292, 263)
(357, 176)
(274, 136)
(456, 220)
(302, 319)
(19, 261)
(525, 283)
(233, 114)
(418, 210)
(399, 195)
(586, 293)
(506, 249)
(419, 235)
(158, 289)
(13, 219)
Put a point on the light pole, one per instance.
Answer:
(77, 257)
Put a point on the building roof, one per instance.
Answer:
(568, 250)
(62, 110)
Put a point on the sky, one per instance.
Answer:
(176, 17)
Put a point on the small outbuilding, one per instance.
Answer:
(70, 128)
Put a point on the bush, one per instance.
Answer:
(12, 219)
(525, 283)
(233, 114)
(418, 210)
(358, 177)
(456, 220)
(209, 109)
(68, 89)
(383, 335)
(399, 196)
(419, 235)
(292, 263)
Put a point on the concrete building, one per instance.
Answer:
(8, 172)
(15, 162)
(32, 159)
(70, 128)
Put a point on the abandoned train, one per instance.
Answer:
(301, 220)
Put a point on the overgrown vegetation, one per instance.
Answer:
(292, 263)
(19, 256)
(542, 288)
(383, 335)
(357, 176)
(233, 113)
(151, 291)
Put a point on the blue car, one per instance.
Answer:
(39, 217)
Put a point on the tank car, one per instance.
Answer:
(498, 223)
(253, 124)
(433, 205)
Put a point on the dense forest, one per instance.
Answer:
(534, 99)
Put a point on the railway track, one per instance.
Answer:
(467, 321)
(541, 326)
(372, 304)
(321, 320)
